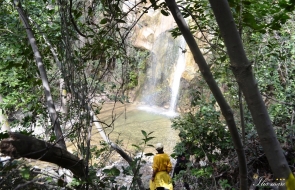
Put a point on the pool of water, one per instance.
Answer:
(130, 121)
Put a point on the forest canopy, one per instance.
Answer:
(62, 61)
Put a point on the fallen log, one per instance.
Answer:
(19, 145)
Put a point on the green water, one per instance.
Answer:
(129, 123)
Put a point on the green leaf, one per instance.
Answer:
(150, 133)
(25, 172)
(149, 138)
(136, 146)
(112, 172)
(144, 133)
(165, 13)
(104, 21)
(3, 135)
(149, 154)
(223, 58)
(49, 179)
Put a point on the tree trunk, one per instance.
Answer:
(242, 119)
(63, 92)
(3, 119)
(242, 70)
(205, 70)
(51, 108)
(98, 126)
(19, 145)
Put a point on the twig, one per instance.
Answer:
(25, 184)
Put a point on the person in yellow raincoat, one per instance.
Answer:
(162, 166)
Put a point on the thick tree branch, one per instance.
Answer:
(19, 145)
(205, 70)
(242, 70)
(50, 104)
(63, 92)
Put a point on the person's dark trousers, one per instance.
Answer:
(186, 186)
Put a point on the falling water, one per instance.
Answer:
(166, 64)
(178, 70)
(164, 55)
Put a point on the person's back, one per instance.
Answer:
(161, 168)
(161, 162)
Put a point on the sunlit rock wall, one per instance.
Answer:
(152, 33)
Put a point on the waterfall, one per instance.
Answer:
(167, 64)
(178, 70)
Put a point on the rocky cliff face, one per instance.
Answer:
(152, 33)
(154, 27)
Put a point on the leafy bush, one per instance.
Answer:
(202, 134)
(205, 138)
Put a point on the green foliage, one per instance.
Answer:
(162, 6)
(224, 184)
(138, 162)
(102, 63)
(19, 79)
(263, 15)
(138, 65)
(107, 179)
(76, 182)
(114, 172)
(3, 135)
(202, 134)
(25, 172)
(17, 172)
(133, 80)
(97, 153)
(273, 62)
